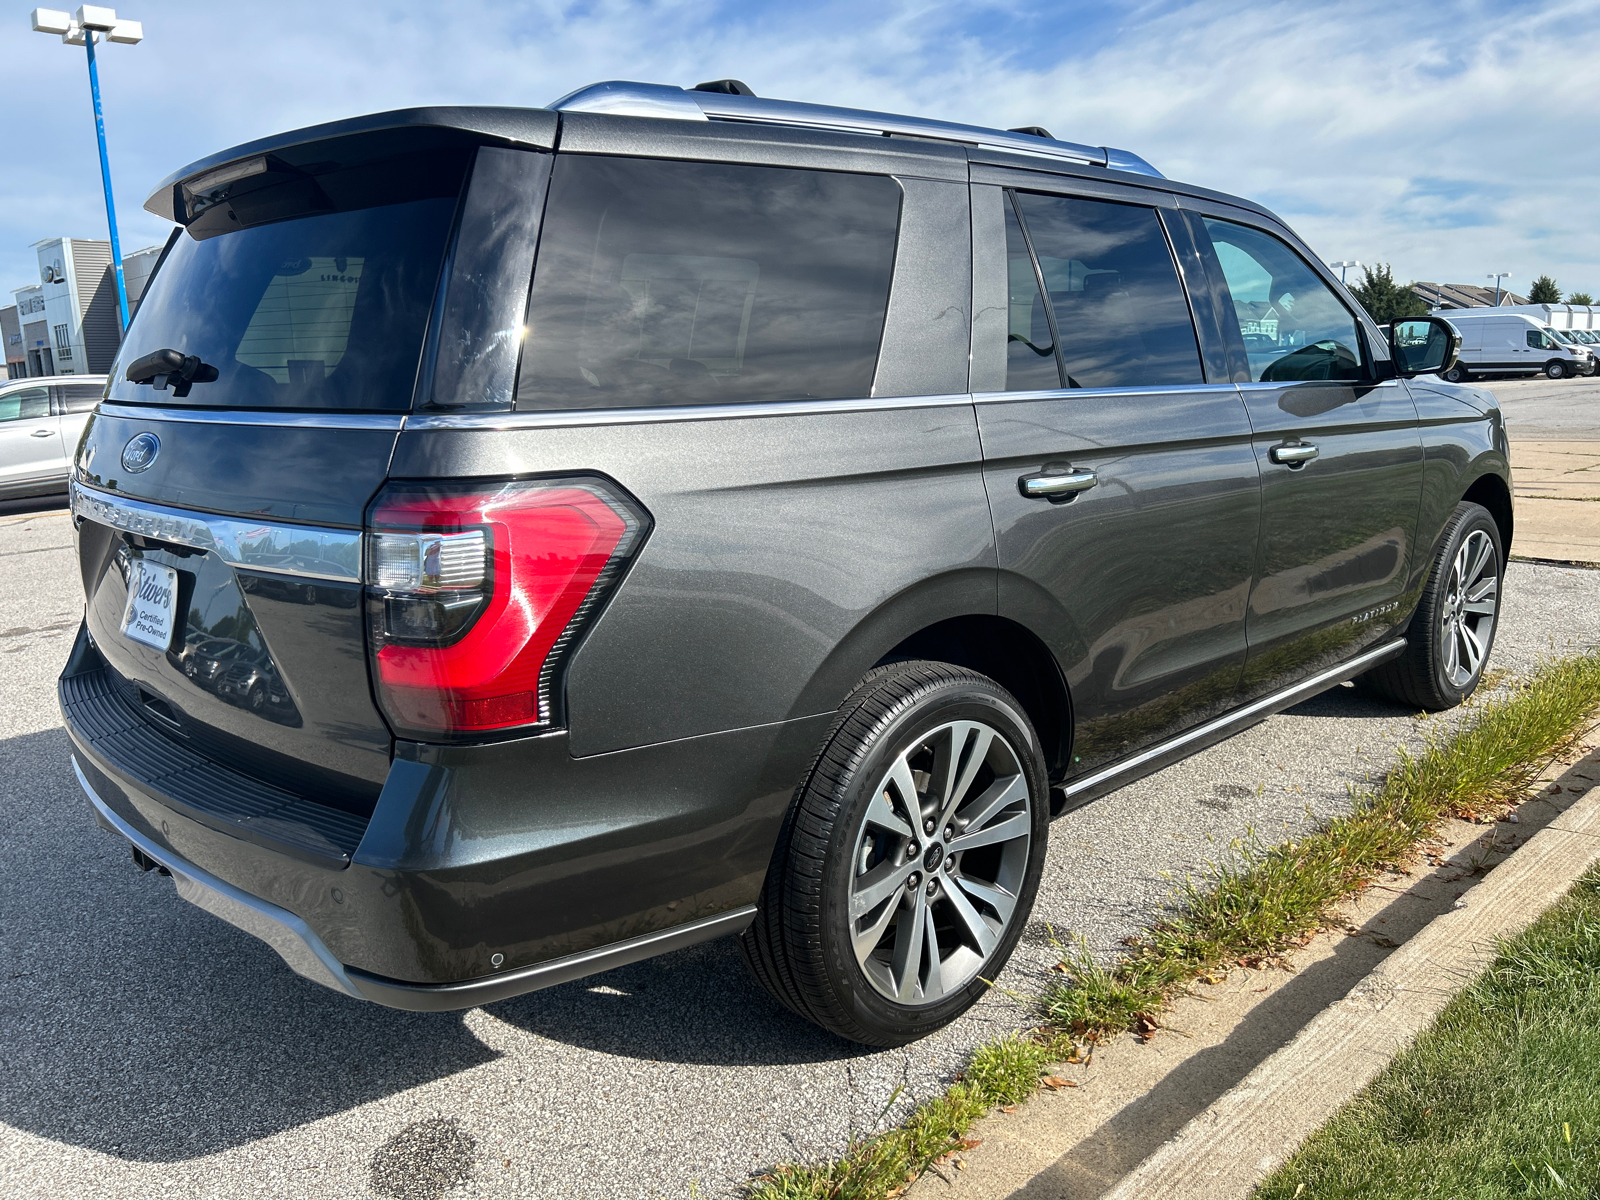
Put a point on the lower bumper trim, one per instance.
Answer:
(286, 933)
(299, 946)
(441, 997)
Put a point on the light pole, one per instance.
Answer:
(81, 29)
(1342, 267)
(1497, 277)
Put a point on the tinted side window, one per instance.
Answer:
(25, 404)
(662, 283)
(78, 397)
(1120, 311)
(1030, 350)
(1294, 327)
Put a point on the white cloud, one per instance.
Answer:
(1447, 139)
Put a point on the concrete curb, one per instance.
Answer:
(1223, 1153)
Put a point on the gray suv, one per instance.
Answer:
(673, 513)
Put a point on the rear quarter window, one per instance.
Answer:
(677, 283)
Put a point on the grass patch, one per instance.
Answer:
(1496, 1099)
(1252, 906)
(1259, 900)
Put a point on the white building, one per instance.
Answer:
(69, 318)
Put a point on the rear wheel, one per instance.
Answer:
(1457, 374)
(910, 859)
(1555, 369)
(1452, 632)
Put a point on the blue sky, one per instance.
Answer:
(1450, 139)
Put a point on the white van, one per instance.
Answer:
(1492, 341)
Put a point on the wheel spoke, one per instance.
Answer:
(982, 936)
(900, 776)
(960, 774)
(1452, 651)
(866, 940)
(1003, 831)
(1481, 608)
(934, 987)
(909, 940)
(878, 884)
(1003, 902)
(998, 796)
(1484, 549)
(882, 814)
(1473, 647)
(1485, 589)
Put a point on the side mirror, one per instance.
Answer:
(1424, 346)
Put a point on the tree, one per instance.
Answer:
(1580, 298)
(1384, 299)
(1544, 291)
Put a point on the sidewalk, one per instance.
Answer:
(1216, 1097)
(1557, 490)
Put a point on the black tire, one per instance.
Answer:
(1556, 369)
(1458, 374)
(1423, 676)
(800, 945)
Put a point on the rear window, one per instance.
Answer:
(670, 283)
(305, 287)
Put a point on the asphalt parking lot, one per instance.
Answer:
(151, 1049)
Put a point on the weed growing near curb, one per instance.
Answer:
(1252, 906)
(1259, 900)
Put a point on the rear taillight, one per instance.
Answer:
(475, 590)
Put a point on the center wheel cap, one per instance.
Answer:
(934, 856)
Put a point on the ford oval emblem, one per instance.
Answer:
(140, 452)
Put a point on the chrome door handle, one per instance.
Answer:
(1054, 483)
(41, 433)
(1294, 454)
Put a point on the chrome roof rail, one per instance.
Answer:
(661, 100)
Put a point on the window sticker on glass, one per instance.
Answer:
(301, 326)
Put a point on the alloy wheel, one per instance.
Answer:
(938, 862)
(1471, 603)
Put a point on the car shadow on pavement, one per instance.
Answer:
(140, 1026)
(698, 1006)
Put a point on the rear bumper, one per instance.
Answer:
(484, 871)
(299, 946)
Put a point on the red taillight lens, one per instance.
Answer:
(474, 590)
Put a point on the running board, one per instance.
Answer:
(1107, 779)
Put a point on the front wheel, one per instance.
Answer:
(1555, 369)
(1452, 632)
(910, 858)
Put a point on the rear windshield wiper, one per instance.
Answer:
(162, 367)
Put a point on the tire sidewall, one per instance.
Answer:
(1556, 370)
(1474, 518)
(902, 727)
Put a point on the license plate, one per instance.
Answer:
(152, 603)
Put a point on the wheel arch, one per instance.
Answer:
(1493, 493)
(1015, 658)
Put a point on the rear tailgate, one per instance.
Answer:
(263, 668)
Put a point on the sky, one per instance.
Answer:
(1450, 140)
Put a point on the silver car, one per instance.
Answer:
(41, 422)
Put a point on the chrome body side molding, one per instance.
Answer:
(573, 418)
(267, 547)
(1099, 782)
(245, 416)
